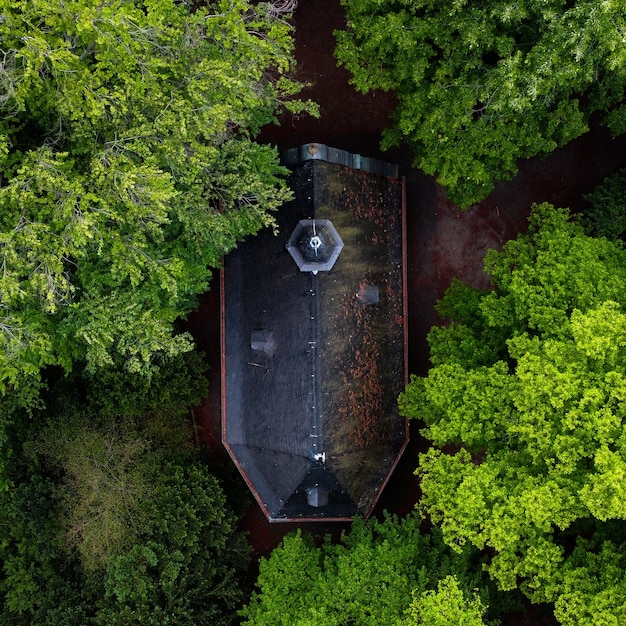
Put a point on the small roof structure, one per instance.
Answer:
(315, 245)
(368, 294)
(314, 351)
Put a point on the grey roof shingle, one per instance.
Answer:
(313, 423)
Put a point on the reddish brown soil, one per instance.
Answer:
(443, 241)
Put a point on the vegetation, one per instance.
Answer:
(605, 214)
(528, 386)
(128, 167)
(482, 84)
(115, 518)
(381, 573)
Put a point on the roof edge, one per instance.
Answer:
(322, 152)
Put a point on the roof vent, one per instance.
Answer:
(263, 341)
(368, 294)
(317, 496)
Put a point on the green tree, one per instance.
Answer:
(113, 518)
(40, 582)
(482, 84)
(538, 421)
(368, 578)
(106, 472)
(605, 213)
(185, 563)
(447, 605)
(185, 566)
(128, 167)
(594, 580)
(176, 383)
(105, 450)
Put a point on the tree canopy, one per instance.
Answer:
(448, 604)
(484, 83)
(382, 572)
(527, 396)
(605, 213)
(128, 167)
(114, 517)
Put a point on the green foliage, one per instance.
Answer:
(107, 450)
(541, 278)
(594, 584)
(107, 472)
(39, 583)
(539, 430)
(17, 406)
(184, 568)
(368, 578)
(482, 84)
(447, 605)
(180, 565)
(177, 383)
(128, 168)
(605, 214)
(464, 340)
(111, 518)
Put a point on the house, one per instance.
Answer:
(314, 341)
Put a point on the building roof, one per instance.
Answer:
(313, 362)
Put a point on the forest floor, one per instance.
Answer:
(443, 241)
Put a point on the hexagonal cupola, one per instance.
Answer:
(315, 245)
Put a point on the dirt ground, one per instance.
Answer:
(443, 241)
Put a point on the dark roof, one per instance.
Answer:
(311, 371)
